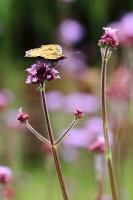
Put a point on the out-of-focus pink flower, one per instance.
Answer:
(70, 31)
(90, 137)
(46, 148)
(55, 100)
(94, 125)
(120, 85)
(5, 174)
(125, 33)
(95, 129)
(98, 145)
(89, 103)
(78, 138)
(109, 39)
(6, 98)
(9, 193)
(3, 102)
(11, 122)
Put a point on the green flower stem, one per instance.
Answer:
(40, 137)
(112, 180)
(46, 115)
(59, 173)
(53, 148)
(105, 128)
(64, 134)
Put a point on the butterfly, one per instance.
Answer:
(51, 52)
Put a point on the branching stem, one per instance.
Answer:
(53, 148)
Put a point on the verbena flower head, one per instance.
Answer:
(41, 71)
(22, 118)
(5, 174)
(109, 39)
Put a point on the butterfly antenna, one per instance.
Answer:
(73, 59)
(73, 53)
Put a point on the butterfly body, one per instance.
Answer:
(52, 52)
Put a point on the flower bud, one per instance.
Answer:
(22, 118)
(78, 113)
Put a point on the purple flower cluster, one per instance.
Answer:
(41, 71)
(109, 39)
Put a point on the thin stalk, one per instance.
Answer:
(105, 128)
(46, 115)
(40, 137)
(64, 134)
(59, 172)
(54, 150)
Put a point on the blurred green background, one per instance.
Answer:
(28, 24)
